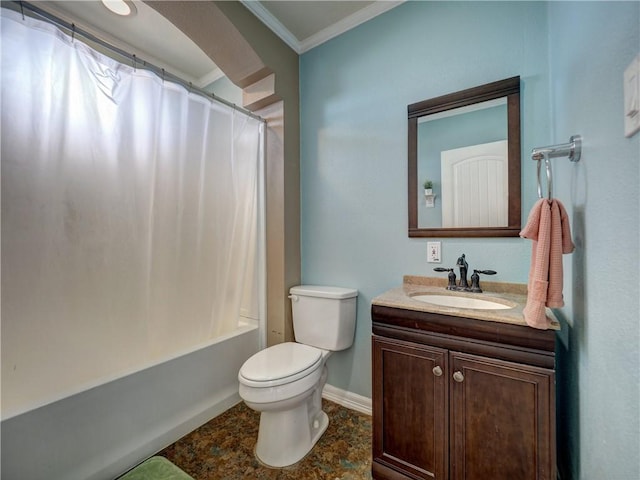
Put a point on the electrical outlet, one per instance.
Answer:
(433, 252)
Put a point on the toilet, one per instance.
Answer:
(284, 382)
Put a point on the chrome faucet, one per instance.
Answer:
(462, 263)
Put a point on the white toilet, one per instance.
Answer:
(284, 382)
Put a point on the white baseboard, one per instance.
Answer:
(347, 399)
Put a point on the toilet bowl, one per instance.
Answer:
(284, 382)
(289, 399)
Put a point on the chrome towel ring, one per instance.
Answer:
(547, 165)
(573, 150)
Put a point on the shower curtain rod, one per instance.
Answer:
(136, 61)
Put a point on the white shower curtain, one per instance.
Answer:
(129, 215)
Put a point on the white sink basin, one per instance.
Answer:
(462, 302)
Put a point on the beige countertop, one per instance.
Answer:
(506, 293)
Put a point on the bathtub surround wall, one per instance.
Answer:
(571, 57)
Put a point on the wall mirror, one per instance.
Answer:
(464, 163)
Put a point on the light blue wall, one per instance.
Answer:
(570, 56)
(599, 358)
(354, 95)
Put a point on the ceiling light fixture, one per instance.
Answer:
(126, 8)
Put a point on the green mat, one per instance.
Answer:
(156, 468)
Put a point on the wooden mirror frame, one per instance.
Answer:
(509, 88)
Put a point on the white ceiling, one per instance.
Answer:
(301, 24)
(147, 34)
(304, 24)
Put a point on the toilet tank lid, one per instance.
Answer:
(323, 291)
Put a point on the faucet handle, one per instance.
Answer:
(452, 276)
(486, 272)
(475, 279)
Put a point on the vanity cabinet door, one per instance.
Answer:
(502, 420)
(410, 410)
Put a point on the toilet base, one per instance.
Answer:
(290, 428)
(295, 436)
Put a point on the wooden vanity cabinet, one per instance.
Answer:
(410, 407)
(461, 399)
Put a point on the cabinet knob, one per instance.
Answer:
(437, 371)
(458, 376)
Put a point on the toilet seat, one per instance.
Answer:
(280, 364)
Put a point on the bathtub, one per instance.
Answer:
(106, 429)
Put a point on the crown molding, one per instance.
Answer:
(347, 23)
(301, 46)
(272, 23)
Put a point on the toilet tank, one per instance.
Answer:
(324, 317)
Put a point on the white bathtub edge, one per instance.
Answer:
(244, 326)
(101, 433)
(168, 433)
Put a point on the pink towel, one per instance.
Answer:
(548, 227)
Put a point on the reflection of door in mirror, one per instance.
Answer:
(474, 185)
(455, 129)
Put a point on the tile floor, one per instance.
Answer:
(223, 449)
